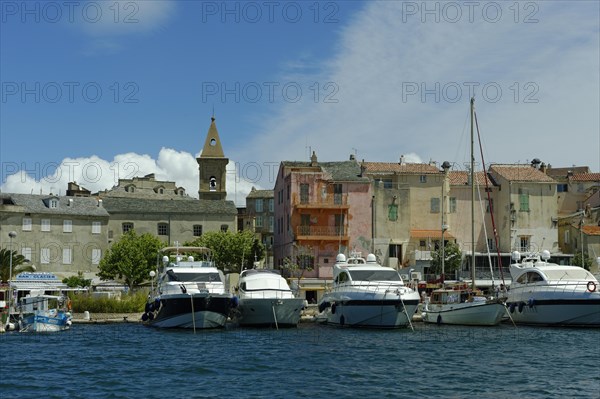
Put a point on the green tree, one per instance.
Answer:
(587, 261)
(452, 259)
(131, 258)
(19, 264)
(77, 281)
(302, 261)
(231, 250)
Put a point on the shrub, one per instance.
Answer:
(129, 303)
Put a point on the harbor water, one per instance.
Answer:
(129, 360)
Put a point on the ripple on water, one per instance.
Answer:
(132, 361)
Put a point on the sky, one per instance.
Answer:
(94, 91)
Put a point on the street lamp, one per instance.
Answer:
(445, 167)
(11, 235)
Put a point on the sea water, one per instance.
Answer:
(130, 360)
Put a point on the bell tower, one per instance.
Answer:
(212, 167)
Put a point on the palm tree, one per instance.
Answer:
(18, 264)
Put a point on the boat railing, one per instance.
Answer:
(574, 288)
(372, 286)
(268, 294)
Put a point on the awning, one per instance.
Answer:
(437, 234)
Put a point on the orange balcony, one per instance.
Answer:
(330, 201)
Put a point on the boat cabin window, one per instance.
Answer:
(375, 275)
(194, 277)
(342, 278)
(530, 277)
(575, 273)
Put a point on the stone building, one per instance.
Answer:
(260, 217)
(56, 233)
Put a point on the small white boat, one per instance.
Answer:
(190, 293)
(462, 307)
(36, 314)
(544, 293)
(366, 294)
(265, 299)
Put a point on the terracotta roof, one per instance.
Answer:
(338, 171)
(391, 167)
(591, 230)
(523, 173)
(461, 178)
(593, 177)
(562, 172)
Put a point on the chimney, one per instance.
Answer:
(100, 203)
(363, 168)
(401, 159)
(70, 202)
(352, 157)
(543, 167)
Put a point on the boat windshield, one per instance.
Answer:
(575, 273)
(375, 275)
(195, 277)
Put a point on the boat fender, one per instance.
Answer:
(530, 302)
(234, 302)
(147, 308)
(591, 286)
(511, 307)
(156, 303)
(145, 317)
(151, 307)
(521, 304)
(333, 308)
(342, 320)
(150, 316)
(439, 319)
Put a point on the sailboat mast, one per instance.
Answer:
(472, 196)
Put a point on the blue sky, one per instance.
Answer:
(93, 91)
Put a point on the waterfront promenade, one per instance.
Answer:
(308, 315)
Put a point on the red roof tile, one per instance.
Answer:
(408, 168)
(591, 230)
(591, 177)
(524, 173)
(461, 178)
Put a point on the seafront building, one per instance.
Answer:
(259, 217)
(316, 209)
(67, 234)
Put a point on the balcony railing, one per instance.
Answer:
(321, 231)
(330, 200)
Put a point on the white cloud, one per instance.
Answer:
(96, 174)
(547, 72)
(124, 17)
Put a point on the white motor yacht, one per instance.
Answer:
(366, 294)
(190, 293)
(265, 299)
(546, 293)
